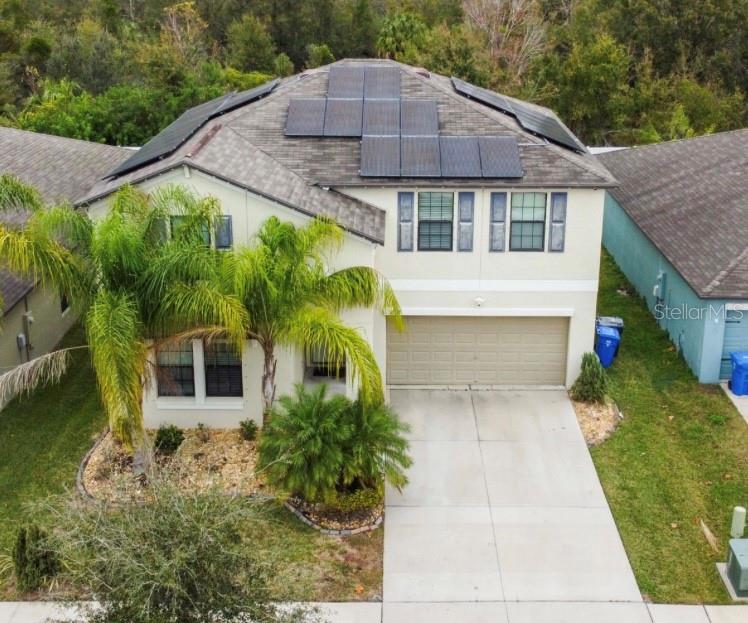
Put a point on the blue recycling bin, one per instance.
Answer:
(739, 379)
(606, 344)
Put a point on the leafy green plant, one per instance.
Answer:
(356, 501)
(168, 439)
(248, 429)
(592, 383)
(34, 562)
(317, 448)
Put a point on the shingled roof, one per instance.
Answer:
(61, 169)
(690, 198)
(248, 147)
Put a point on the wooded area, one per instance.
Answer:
(616, 71)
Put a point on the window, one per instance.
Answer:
(178, 222)
(404, 221)
(435, 214)
(224, 233)
(465, 210)
(64, 303)
(223, 370)
(557, 235)
(175, 372)
(528, 222)
(497, 233)
(319, 364)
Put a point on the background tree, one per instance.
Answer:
(318, 55)
(249, 46)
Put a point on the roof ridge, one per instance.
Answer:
(649, 146)
(80, 141)
(723, 274)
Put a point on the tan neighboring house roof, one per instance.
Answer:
(690, 198)
(61, 169)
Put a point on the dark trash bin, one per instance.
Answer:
(739, 379)
(606, 344)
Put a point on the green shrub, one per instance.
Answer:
(592, 383)
(168, 439)
(248, 429)
(34, 562)
(359, 500)
(316, 447)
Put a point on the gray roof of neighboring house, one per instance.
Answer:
(690, 198)
(248, 147)
(61, 169)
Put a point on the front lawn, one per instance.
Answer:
(44, 437)
(679, 457)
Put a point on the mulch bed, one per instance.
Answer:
(331, 519)
(597, 421)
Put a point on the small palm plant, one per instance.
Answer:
(118, 271)
(316, 447)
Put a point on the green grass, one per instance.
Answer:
(44, 437)
(680, 456)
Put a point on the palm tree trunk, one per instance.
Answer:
(268, 380)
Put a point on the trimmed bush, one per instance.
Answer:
(168, 439)
(34, 562)
(356, 501)
(592, 383)
(248, 429)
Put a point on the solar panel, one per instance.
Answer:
(419, 118)
(547, 125)
(382, 83)
(382, 117)
(345, 81)
(419, 156)
(306, 117)
(343, 117)
(499, 156)
(189, 122)
(380, 156)
(485, 96)
(460, 156)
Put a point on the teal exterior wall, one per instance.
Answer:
(696, 326)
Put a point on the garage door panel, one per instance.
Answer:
(464, 350)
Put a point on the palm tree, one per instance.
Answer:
(291, 298)
(109, 268)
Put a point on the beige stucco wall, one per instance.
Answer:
(427, 283)
(49, 326)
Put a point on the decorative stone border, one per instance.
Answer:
(331, 531)
(79, 480)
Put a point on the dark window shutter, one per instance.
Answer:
(224, 232)
(558, 222)
(405, 203)
(466, 210)
(498, 221)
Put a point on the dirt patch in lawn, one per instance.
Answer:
(597, 421)
(204, 459)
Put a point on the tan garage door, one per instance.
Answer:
(457, 350)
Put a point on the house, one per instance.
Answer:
(62, 170)
(484, 212)
(677, 226)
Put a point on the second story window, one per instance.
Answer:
(177, 222)
(435, 216)
(527, 222)
(224, 233)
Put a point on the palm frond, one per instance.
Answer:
(360, 286)
(17, 196)
(114, 333)
(201, 304)
(319, 328)
(69, 226)
(43, 370)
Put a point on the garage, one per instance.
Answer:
(460, 350)
(736, 339)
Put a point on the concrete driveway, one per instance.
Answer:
(503, 505)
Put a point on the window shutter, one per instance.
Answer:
(498, 221)
(466, 208)
(558, 222)
(405, 221)
(224, 232)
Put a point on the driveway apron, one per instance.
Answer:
(503, 505)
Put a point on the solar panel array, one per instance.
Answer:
(399, 137)
(174, 135)
(538, 121)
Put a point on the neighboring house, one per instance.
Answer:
(484, 212)
(33, 320)
(678, 227)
